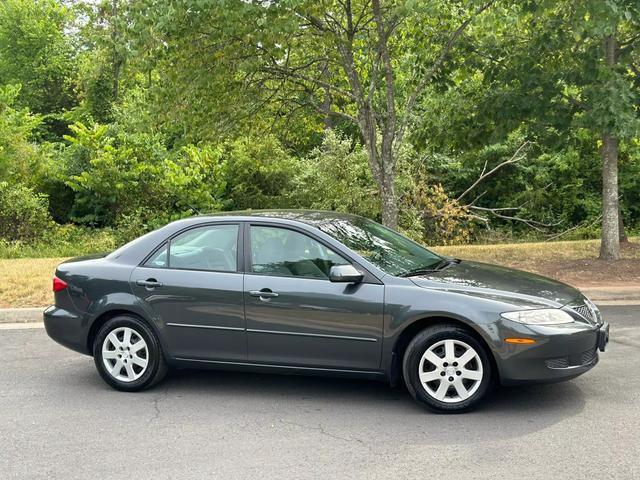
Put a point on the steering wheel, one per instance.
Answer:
(216, 258)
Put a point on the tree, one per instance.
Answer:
(103, 57)
(36, 53)
(612, 103)
(565, 75)
(364, 63)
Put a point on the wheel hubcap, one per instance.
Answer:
(125, 354)
(450, 371)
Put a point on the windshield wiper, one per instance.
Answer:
(440, 265)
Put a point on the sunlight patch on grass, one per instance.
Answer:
(26, 282)
(523, 254)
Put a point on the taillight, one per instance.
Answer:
(58, 284)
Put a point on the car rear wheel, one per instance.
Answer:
(128, 355)
(447, 369)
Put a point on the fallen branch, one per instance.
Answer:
(536, 225)
(575, 227)
(516, 157)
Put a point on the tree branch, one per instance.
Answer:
(335, 113)
(575, 227)
(390, 118)
(292, 73)
(514, 159)
(539, 226)
(413, 98)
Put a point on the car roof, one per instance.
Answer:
(135, 251)
(310, 217)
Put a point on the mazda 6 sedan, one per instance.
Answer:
(319, 293)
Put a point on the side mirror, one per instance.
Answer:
(345, 274)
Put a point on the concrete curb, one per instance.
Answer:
(21, 315)
(612, 293)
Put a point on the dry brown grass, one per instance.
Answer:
(574, 262)
(532, 253)
(26, 282)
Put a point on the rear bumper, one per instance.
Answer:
(67, 328)
(560, 353)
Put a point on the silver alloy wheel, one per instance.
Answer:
(125, 354)
(450, 371)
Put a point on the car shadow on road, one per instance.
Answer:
(369, 406)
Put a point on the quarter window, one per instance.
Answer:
(284, 252)
(212, 247)
(159, 259)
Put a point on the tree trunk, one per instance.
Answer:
(117, 61)
(383, 171)
(388, 201)
(325, 107)
(388, 127)
(610, 243)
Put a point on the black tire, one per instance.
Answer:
(156, 367)
(412, 364)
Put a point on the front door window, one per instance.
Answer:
(284, 252)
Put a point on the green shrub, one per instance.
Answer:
(259, 173)
(24, 214)
(140, 221)
(336, 176)
(116, 174)
(20, 158)
(61, 241)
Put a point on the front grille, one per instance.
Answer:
(589, 356)
(562, 362)
(574, 360)
(586, 312)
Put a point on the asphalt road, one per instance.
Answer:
(59, 420)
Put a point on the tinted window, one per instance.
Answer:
(388, 250)
(159, 259)
(213, 247)
(279, 251)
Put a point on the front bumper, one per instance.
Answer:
(561, 352)
(67, 328)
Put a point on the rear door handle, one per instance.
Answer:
(149, 283)
(264, 293)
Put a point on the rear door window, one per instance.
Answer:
(211, 247)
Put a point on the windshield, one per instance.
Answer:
(386, 249)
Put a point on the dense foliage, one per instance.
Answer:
(477, 119)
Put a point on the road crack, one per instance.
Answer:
(156, 404)
(323, 431)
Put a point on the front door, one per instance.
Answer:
(193, 286)
(296, 316)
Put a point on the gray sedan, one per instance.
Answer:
(312, 292)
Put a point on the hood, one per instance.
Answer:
(500, 283)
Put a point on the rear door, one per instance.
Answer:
(296, 316)
(194, 288)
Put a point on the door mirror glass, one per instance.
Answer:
(345, 274)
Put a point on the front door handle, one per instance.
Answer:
(149, 283)
(263, 294)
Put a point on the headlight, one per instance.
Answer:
(547, 316)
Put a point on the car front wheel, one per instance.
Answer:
(447, 369)
(128, 355)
